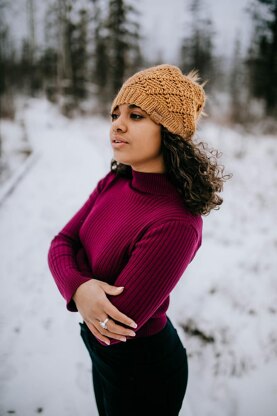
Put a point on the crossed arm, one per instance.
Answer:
(156, 264)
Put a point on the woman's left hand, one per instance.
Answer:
(94, 306)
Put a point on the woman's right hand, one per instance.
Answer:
(94, 306)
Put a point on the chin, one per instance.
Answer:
(122, 160)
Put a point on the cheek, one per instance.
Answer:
(149, 146)
(156, 138)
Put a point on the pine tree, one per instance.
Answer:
(118, 46)
(237, 81)
(50, 59)
(122, 43)
(30, 71)
(79, 58)
(66, 58)
(65, 37)
(59, 30)
(262, 56)
(117, 51)
(4, 40)
(197, 48)
(100, 68)
(31, 30)
(8, 78)
(26, 66)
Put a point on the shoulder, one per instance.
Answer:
(171, 232)
(180, 234)
(176, 240)
(181, 224)
(175, 213)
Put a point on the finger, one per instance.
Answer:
(113, 328)
(97, 334)
(117, 329)
(112, 290)
(114, 313)
(108, 333)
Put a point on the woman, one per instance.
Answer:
(118, 259)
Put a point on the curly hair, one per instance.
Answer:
(193, 168)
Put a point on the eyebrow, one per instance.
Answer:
(130, 106)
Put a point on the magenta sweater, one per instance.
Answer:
(132, 232)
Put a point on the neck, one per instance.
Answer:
(152, 182)
(158, 167)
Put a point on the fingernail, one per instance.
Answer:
(123, 339)
(119, 288)
(107, 342)
(132, 334)
(133, 325)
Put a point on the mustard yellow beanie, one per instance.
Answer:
(170, 98)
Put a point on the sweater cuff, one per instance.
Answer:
(70, 304)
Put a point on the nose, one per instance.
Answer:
(119, 124)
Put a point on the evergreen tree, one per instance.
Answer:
(197, 47)
(66, 60)
(31, 29)
(262, 56)
(50, 60)
(30, 75)
(116, 47)
(4, 40)
(8, 78)
(92, 43)
(79, 56)
(25, 66)
(100, 69)
(237, 85)
(135, 57)
(122, 43)
(61, 48)
(65, 38)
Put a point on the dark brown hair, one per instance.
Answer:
(193, 168)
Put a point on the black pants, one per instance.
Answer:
(142, 377)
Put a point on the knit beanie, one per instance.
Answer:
(170, 98)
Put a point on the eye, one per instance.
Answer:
(136, 116)
(114, 116)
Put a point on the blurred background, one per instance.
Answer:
(61, 64)
(74, 51)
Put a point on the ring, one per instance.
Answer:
(104, 323)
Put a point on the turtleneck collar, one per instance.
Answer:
(152, 183)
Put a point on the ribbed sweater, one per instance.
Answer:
(134, 232)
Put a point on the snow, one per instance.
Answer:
(228, 293)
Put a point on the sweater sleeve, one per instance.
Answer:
(157, 262)
(66, 252)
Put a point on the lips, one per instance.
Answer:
(118, 139)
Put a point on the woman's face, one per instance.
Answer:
(141, 136)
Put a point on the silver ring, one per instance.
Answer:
(104, 323)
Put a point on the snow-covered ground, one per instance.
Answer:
(226, 300)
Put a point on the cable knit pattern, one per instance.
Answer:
(133, 232)
(169, 97)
